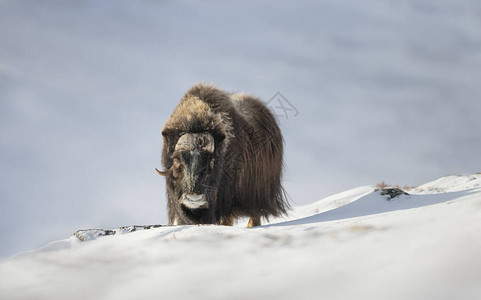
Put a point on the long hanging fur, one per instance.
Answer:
(247, 159)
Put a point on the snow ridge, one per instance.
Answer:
(356, 244)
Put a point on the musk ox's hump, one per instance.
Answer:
(251, 108)
(215, 98)
(195, 115)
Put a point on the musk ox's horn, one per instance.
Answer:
(161, 173)
(191, 141)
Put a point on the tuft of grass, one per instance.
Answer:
(384, 185)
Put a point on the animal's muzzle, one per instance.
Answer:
(194, 201)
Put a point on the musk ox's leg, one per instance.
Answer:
(254, 221)
(227, 221)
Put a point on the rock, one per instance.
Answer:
(93, 234)
(392, 192)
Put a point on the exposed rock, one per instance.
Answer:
(392, 192)
(92, 234)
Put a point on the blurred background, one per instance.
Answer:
(375, 91)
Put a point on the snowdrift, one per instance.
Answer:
(357, 244)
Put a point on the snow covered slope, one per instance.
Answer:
(357, 244)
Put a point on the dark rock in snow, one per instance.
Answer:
(92, 234)
(392, 192)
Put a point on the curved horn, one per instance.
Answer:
(191, 141)
(161, 173)
(185, 142)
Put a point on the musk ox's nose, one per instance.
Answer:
(194, 201)
(194, 197)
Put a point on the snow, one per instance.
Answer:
(450, 184)
(356, 244)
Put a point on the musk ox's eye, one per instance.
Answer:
(176, 164)
(211, 164)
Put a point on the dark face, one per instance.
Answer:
(192, 166)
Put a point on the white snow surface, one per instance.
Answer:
(353, 245)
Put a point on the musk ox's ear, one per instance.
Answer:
(167, 133)
(171, 135)
(168, 140)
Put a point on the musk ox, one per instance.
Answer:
(222, 159)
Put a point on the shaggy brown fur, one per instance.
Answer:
(241, 177)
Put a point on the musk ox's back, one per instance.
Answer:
(222, 157)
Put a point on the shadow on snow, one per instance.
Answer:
(375, 203)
